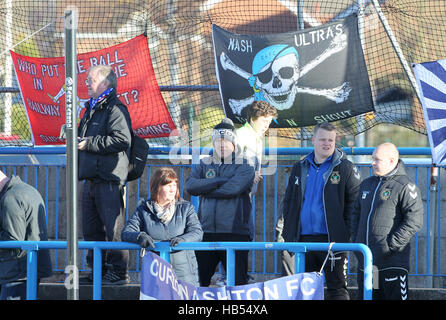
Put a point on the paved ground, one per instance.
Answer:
(54, 289)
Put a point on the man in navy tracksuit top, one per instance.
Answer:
(388, 212)
(223, 181)
(318, 205)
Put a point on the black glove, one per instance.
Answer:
(144, 240)
(175, 241)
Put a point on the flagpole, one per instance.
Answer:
(8, 69)
(71, 167)
(301, 26)
(397, 48)
(360, 138)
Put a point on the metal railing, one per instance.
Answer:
(164, 248)
(427, 266)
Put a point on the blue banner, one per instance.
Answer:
(431, 80)
(159, 282)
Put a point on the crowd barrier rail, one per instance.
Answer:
(164, 248)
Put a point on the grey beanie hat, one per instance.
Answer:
(225, 130)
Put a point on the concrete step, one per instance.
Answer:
(57, 291)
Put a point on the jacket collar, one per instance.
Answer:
(102, 103)
(400, 170)
(250, 128)
(336, 157)
(9, 184)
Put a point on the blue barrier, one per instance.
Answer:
(47, 176)
(164, 248)
(204, 150)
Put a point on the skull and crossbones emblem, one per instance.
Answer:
(275, 74)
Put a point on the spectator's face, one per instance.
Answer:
(224, 148)
(96, 84)
(382, 162)
(261, 124)
(324, 144)
(167, 192)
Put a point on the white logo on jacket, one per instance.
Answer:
(356, 173)
(412, 190)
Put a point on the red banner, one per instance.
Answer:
(42, 83)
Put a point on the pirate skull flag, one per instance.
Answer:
(310, 76)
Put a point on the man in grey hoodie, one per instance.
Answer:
(22, 218)
(223, 181)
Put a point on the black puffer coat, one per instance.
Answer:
(388, 212)
(106, 129)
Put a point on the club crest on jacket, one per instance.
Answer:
(210, 173)
(385, 194)
(335, 177)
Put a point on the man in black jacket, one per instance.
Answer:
(317, 207)
(388, 212)
(104, 142)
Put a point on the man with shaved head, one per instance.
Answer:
(388, 212)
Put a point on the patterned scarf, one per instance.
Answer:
(165, 215)
(103, 95)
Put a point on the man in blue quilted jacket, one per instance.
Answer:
(223, 181)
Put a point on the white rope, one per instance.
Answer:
(329, 253)
(26, 38)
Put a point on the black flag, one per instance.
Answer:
(310, 76)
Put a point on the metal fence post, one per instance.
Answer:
(299, 262)
(230, 266)
(31, 273)
(368, 271)
(97, 273)
(431, 224)
(164, 250)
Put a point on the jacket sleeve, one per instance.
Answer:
(283, 222)
(288, 191)
(118, 136)
(13, 219)
(132, 228)
(13, 226)
(353, 222)
(351, 194)
(240, 182)
(412, 211)
(198, 185)
(192, 231)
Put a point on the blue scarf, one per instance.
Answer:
(102, 96)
